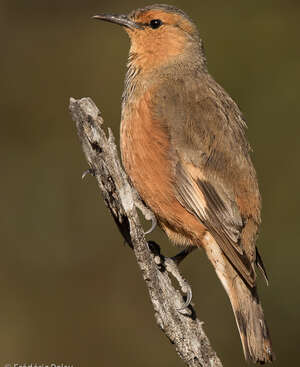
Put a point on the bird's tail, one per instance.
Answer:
(246, 306)
(251, 323)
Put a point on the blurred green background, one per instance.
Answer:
(70, 291)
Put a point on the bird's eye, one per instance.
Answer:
(155, 23)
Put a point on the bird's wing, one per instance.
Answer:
(223, 221)
(213, 170)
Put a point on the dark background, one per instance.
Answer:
(70, 291)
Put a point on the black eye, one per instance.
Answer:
(155, 23)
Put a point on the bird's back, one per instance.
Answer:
(208, 130)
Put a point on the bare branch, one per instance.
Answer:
(182, 328)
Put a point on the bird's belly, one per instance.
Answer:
(147, 159)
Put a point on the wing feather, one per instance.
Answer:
(201, 199)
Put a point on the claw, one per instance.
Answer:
(89, 171)
(171, 267)
(146, 211)
(189, 296)
(153, 225)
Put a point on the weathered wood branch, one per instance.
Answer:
(182, 328)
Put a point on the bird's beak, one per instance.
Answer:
(118, 19)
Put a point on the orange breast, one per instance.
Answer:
(147, 158)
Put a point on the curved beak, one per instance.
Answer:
(118, 19)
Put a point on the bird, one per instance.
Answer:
(184, 149)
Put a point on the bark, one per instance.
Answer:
(183, 328)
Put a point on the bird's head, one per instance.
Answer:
(159, 34)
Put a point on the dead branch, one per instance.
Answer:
(182, 328)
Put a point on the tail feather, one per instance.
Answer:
(251, 323)
(246, 306)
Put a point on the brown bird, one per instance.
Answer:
(184, 148)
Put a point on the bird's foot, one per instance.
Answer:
(170, 265)
(89, 171)
(172, 268)
(147, 213)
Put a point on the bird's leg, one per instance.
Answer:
(170, 265)
(183, 254)
(148, 214)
